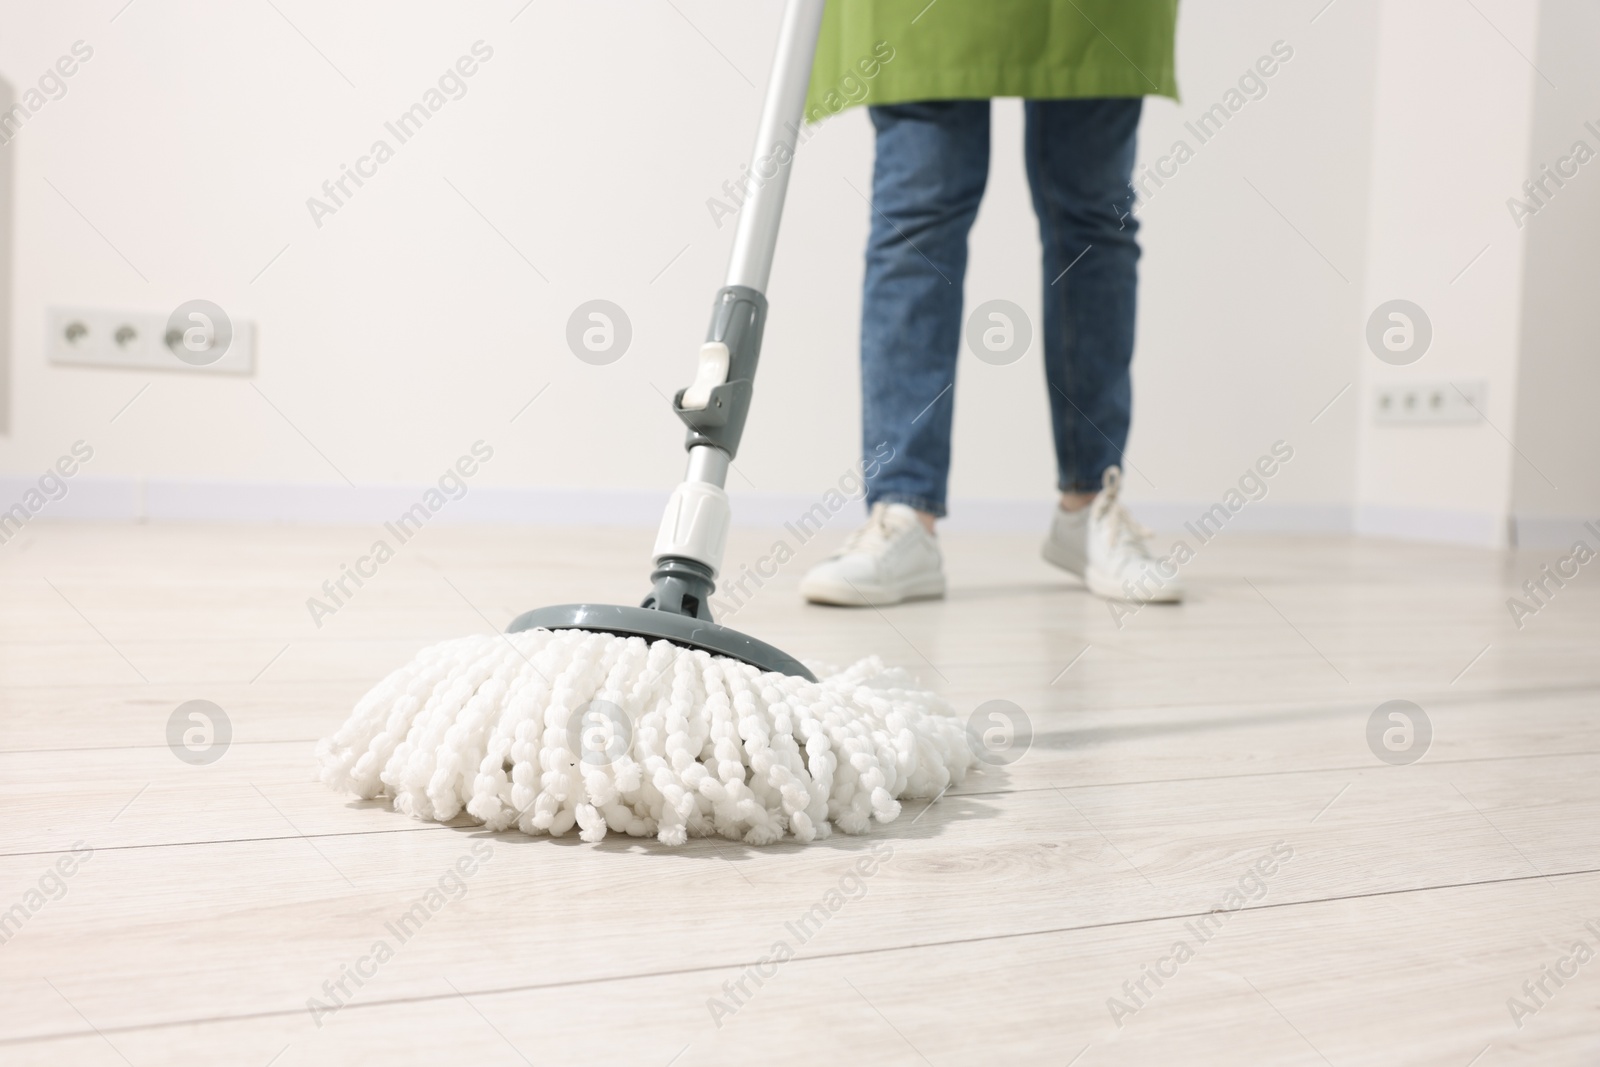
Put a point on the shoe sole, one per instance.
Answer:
(856, 596)
(1101, 584)
(1060, 556)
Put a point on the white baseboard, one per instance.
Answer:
(86, 498)
(1476, 528)
(1264, 517)
(1547, 531)
(165, 500)
(325, 504)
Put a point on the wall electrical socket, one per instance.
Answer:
(1436, 402)
(137, 340)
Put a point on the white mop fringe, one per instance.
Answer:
(545, 730)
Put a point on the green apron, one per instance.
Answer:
(895, 51)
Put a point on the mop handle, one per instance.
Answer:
(694, 530)
(777, 137)
(715, 404)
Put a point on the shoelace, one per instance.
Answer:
(1127, 534)
(875, 534)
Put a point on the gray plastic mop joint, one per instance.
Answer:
(737, 319)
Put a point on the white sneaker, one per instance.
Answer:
(1105, 546)
(890, 559)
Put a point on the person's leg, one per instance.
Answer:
(931, 166)
(1080, 162)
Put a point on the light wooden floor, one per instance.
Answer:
(1170, 756)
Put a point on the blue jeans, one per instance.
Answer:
(932, 164)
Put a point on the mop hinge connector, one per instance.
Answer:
(715, 406)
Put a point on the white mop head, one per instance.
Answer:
(544, 730)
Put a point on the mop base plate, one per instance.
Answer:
(655, 625)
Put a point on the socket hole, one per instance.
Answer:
(125, 336)
(75, 332)
(176, 340)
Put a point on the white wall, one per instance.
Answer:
(1454, 105)
(1243, 323)
(1555, 475)
(406, 327)
(7, 166)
